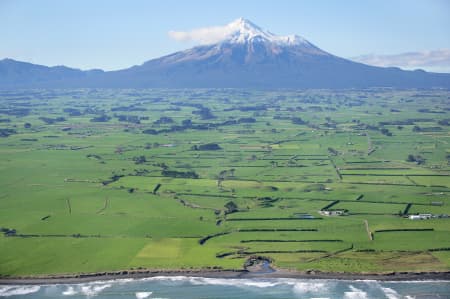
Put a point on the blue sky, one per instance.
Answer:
(118, 34)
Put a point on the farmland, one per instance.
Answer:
(98, 180)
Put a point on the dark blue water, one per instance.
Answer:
(216, 288)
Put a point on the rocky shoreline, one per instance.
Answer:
(278, 273)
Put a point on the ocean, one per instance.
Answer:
(223, 288)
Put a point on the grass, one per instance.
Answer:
(80, 195)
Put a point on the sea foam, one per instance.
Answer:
(93, 290)
(217, 281)
(8, 291)
(309, 287)
(390, 293)
(355, 293)
(143, 295)
(70, 292)
(89, 290)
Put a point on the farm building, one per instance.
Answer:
(420, 216)
(332, 212)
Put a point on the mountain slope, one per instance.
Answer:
(245, 56)
(17, 74)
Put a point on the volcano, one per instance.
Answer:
(246, 56)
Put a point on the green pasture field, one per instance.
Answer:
(101, 180)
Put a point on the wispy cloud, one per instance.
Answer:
(205, 35)
(435, 60)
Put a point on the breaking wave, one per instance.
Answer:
(390, 293)
(306, 287)
(143, 295)
(89, 289)
(8, 291)
(355, 293)
(175, 287)
(69, 292)
(256, 283)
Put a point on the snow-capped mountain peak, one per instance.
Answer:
(243, 31)
(237, 55)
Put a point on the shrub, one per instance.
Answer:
(231, 207)
(298, 121)
(180, 174)
(206, 147)
(102, 118)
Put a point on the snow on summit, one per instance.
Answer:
(243, 31)
(238, 31)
